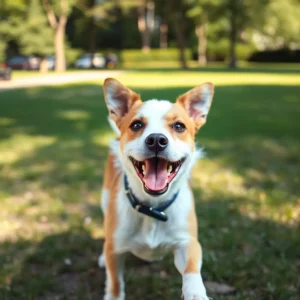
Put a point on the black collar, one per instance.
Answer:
(156, 213)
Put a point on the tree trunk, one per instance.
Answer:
(60, 61)
(163, 41)
(59, 27)
(233, 36)
(143, 29)
(202, 43)
(180, 40)
(92, 36)
(174, 15)
(44, 65)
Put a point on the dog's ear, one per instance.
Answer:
(197, 102)
(119, 99)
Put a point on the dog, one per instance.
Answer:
(147, 202)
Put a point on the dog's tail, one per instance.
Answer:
(114, 126)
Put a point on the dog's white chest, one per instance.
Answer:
(148, 238)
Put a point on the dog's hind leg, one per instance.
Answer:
(101, 261)
(103, 204)
(109, 173)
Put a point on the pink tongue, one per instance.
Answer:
(156, 174)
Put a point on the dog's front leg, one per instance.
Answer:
(114, 273)
(188, 260)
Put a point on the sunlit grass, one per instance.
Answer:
(53, 145)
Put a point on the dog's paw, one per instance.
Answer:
(193, 296)
(193, 287)
(101, 261)
(111, 297)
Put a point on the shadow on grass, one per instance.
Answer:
(253, 131)
(239, 251)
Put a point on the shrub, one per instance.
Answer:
(280, 55)
(220, 51)
(136, 55)
(72, 54)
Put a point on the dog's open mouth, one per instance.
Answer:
(156, 173)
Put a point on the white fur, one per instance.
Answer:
(114, 126)
(193, 287)
(104, 200)
(192, 284)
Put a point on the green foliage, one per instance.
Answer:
(199, 8)
(136, 55)
(28, 27)
(36, 36)
(282, 26)
(61, 7)
(2, 50)
(220, 51)
(12, 18)
(72, 54)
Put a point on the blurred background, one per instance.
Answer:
(54, 139)
(62, 34)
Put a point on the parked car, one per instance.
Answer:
(51, 62)
(111, 61)
(88, 61)
(5, 73)
(23, 63)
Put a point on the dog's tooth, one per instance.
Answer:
(169, 170)
(143, 169)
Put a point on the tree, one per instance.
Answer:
(241, 14)
(145, 23)
(57, 13)
(94, 15)
(199, 11)
(176, 12)
(12, 15)
(282, 24)
(35, 35)
(145, 18)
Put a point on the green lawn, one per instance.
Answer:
(53, 144)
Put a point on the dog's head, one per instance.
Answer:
(157, 147)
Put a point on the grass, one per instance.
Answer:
(53, 145)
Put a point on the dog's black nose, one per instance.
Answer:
(156, 142)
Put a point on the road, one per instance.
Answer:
(56, 79)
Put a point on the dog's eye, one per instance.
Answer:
(136, 125)
(179, 127)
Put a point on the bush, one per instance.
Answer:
(280, 55)
(72, 54)
(136, 55)
(220, 51)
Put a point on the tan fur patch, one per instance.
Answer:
(194, 250)
(127, 134)
(111, 183)
(178, 114)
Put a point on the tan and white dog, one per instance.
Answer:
(146, 198)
